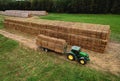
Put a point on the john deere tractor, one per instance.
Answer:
(76, 54)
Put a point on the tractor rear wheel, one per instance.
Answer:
(71, 57)
(82, 61)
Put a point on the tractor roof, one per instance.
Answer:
(77, 48)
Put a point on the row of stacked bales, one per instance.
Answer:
(24, 14)
(90, 36)
(57, 45)
(90, 30)
(17, 14)
(35, 13)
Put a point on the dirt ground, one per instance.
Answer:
(108, 61)
(23, 40)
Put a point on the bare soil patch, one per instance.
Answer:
(108, 61)
(26, 41)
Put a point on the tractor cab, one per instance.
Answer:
(76, 50)
(76, 54)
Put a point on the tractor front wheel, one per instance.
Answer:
(82, 61)
(71, 57)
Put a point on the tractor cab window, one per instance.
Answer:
(75, 51)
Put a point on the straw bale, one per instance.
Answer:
(51, 45)
(42, 37)
(63, 29)
(44, 43)
(51, 33)
(60, 41)
(34, 31)
(51, 39)
(62, 36)
(54, 44)
(6, 25)
(59, 48)
(52, 27)
(39, 42)
(48, 32)
(38, 13)
(38, 26)
(17, 14)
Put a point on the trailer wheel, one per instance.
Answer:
(42, 49)
(45, 49)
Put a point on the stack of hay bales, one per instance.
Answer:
(57, 45)
(37, 13)
(90, 36)
(17, 14)
(24, 13)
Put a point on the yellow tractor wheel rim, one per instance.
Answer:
(70, 57)
(82, 61)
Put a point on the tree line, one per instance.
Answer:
(64, 6)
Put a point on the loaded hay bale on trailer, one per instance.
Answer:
(90, 36)
(51, 43)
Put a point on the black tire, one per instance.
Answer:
(82, 61)
(45, 49)
(70, 57)
(42, 49)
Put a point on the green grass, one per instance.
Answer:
(20, 64)
(108, 19)
(6, 45)
(1, 21)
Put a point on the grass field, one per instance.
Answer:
(19, 64)
(112, 20)
(1, 21)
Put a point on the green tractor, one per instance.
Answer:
(76, 54)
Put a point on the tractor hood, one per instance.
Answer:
(85, 55)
